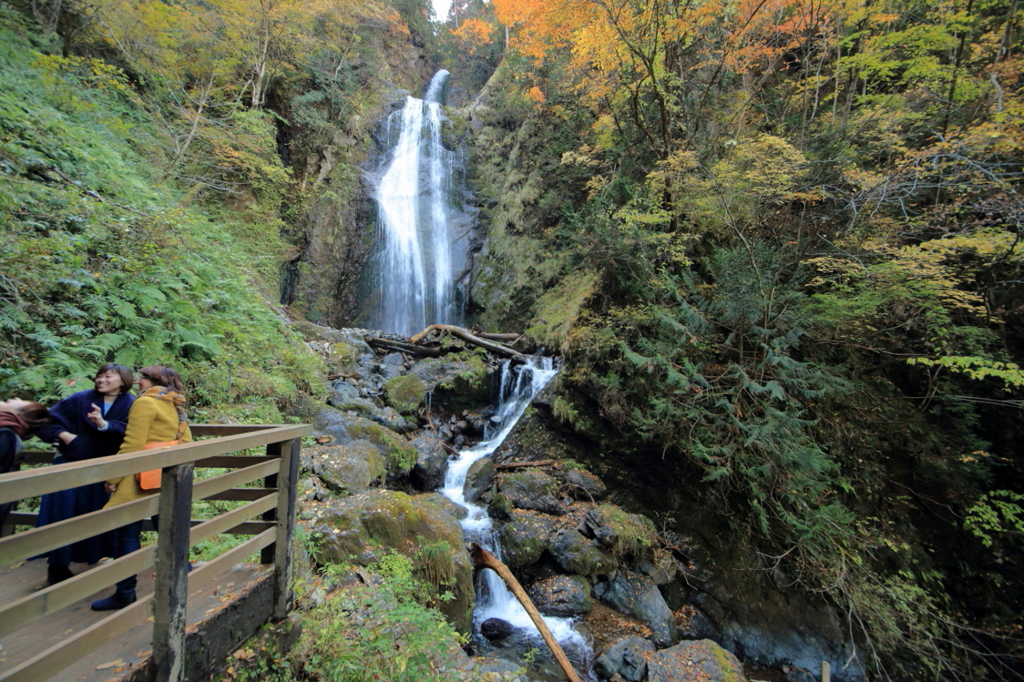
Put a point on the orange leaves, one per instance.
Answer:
(474, 33)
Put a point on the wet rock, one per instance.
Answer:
(799, 675)
(637, 595)
(479, 478)
(499, 507)
(577, 554)
(524, 539)
(431, 462)
(561, 595)
(394, 359)
(364, 528)
(341, 391)
(627, 658)
(398, 454)
(405, 393)
(496, 628)
(582, 484)
(347, 469)
(701, 660)
(695, 624)
(532, 489)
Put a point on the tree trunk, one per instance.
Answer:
(483, 558)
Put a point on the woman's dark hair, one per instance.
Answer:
(163, 376)
(36, 416)
(120, 370)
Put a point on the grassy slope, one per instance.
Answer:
(105, 259)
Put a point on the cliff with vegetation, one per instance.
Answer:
(778, 246)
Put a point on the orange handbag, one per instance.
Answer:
(150, 480)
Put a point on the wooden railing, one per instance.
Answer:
(272, 505)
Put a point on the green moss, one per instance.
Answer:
(405, 393)
(557, 309)
(473, 383)
(435, 563)
(400, 455)
(634, 533)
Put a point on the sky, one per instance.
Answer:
(441, 9)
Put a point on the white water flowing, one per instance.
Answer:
(415, 273)
(518, 388)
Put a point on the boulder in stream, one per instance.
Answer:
(561, 595)
(431, 463)
(479, 478)
(496, 628)
(637, 595)
(699, 661)
(627, 658)
(525, 537)
(532, 489)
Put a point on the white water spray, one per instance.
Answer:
(517, 390)
(415, 273)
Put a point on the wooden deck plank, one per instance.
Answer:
(132, 647)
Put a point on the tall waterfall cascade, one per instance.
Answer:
(518, 388)
(421, 244)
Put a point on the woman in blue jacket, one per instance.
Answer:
(86, 425)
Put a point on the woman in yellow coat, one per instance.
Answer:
(156, 416)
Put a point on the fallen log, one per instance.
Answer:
(511, 338)
(481, 557)
(465, 335)
(378, 342)
(522, 465)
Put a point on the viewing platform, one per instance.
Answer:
(184, 624)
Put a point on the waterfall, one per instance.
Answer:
(415, 267)
(518, 388)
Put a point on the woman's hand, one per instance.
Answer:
(110, 487)
(66, 437)
(96, 417)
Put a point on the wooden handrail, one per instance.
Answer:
(35, 482)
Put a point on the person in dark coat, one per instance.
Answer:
(19, 420)
(86, 425)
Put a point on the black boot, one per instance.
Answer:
(56, 573)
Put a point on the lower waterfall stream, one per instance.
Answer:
(519, 385)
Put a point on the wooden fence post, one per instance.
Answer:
(268, 553)
(286, 500)
(172, 572)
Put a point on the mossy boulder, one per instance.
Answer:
(405, 393)
(582, 484)
(346, 469)
(531, 489)
(525, 538)
(577, 554)
(342, 358)
(619, 531)
(457, 380)
(702, 661)
(364, 528)
(399, 455)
